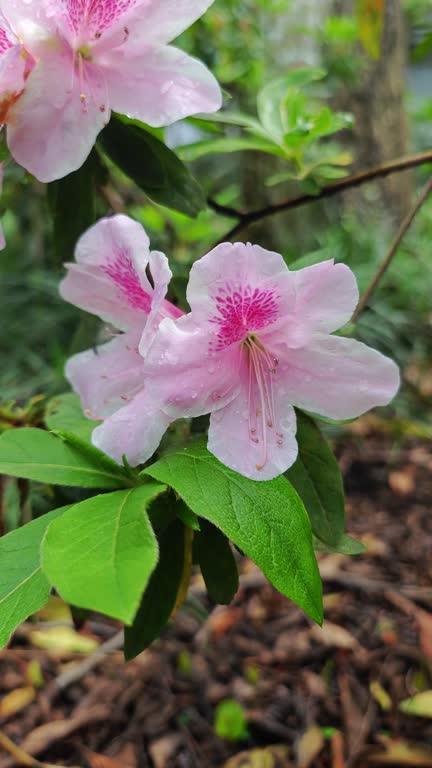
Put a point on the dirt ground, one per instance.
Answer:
(350, 695)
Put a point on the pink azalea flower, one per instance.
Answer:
(15, 66)
(94, 56)
(109, 280)
(256, 343)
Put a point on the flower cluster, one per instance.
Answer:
(257, 342)
(66, 64)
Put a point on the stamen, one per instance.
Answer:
(262, 369)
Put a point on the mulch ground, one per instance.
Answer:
(327, 698)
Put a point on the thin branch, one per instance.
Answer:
(403, 229)
(350, 182)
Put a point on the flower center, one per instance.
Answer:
(241, 310)
(262, 372)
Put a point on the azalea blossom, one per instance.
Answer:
(256, 343)
(15, 66)
(109, 280)
(89, 57)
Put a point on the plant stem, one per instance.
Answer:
(350, 182)
(403, 229)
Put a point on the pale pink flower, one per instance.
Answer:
(15, 66)
(256, 343)
(109, 280)
(94, 56)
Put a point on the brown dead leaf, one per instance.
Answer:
(338, 748)
(403, 481)
(45, 735)
(309, 746)
(162, 750)
(100, 761)
(335, 636)
(16, 701)
(401, 753)
(270, 757)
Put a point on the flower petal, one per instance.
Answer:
(161, 22)
(50, 133)
(134, 431)
(159, 85)
(183, 372)
(160, 308)
(107, 377)
(236, 265)
(339, 378)
(230, 440)
(109, 276)
(326, 295)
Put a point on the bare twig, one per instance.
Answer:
(403, 229)
(350, 182)
(76, 673)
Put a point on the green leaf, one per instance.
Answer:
(271, 99)
(266, 520)
(219, 569)
(102, 552)
(159, 599)
(74, 193)
(346, 545)
(38, 455)
(24, 588)
(221, 146)
(318, 481)
(419, 705)
(152, 166)
(188, 517)
(230, 721)
(64, 414)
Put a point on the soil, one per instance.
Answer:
(326, 698)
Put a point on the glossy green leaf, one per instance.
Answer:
(271, 100)
(101, 553)
(72, 204)
(38, 455)
(159, 599)
(218, 566)
(152, 166)
(266, 520)
(24, 588)
(318, 481)
(221, 146)
(64, 413)
(346, 545)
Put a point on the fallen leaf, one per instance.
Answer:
(334, 635)
(419, 705)
(162, 750)
(309, 746)
(270, 757)
(100, 761)
(380, 695)
(62, 640)
(401, 753)
(338, 748)
(48, 734)
(403, 481)
(16, 701)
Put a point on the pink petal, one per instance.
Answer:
(160, 308)
(161, 22)
(109, 277)
(326, 295)
(50, 133)
(159, 85)
(134, 431)
(107, 377)
(184, 374)
(338, 377)
(228, 271)
(12, 71)
(229, 440)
